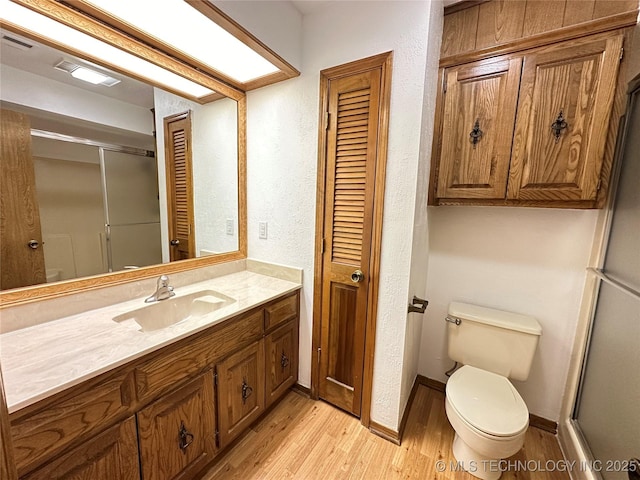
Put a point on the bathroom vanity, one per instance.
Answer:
(106, 395)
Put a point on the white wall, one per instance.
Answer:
(526, 260)
(34, 91)
(282, 165)
(420, 249)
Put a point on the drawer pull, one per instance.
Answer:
(186, 438)
(559, 125)
(246, 391)
(284, 361)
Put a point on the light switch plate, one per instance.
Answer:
(229, 226)
(262, 230)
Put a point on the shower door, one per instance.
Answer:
(607, 411)
(132, 211)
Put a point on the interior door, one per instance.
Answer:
(22, 256)
(177, 140)
(351, 153)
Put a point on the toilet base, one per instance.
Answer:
(473, 462)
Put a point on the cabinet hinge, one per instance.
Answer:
(621, 52)
(326, 120)
(216, 437)
(444, 87)
(599, 185)
(319, 352)
(215, 382)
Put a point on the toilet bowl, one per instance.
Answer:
(489, 417)
(488, 414)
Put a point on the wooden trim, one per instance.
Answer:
(575, 204)
(216, 15)
(384, 432)
(430, 383)
(384, 62)
(534, 420)
(593, 27)
(543, 423)
(456, 7)
(34, 293)
(407, 408)
(94, 28)
(436, 143)
(301, 389)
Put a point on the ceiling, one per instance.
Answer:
(306, 7)
(41, 58)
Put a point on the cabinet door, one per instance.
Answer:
(571, 88)
(479, 114)
(177, 432)
(112, 454)
(240, 391)
(281, 360)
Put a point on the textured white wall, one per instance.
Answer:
(420, 248)
(282, 166)
(525, 260)
(34, 91)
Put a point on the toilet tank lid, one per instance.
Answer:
(497, 318)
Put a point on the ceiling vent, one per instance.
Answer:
(14, 42)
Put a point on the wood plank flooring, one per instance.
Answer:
(304, 439)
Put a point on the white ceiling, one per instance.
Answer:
(41, 58)
(306, 7)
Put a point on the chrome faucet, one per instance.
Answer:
(163, 290)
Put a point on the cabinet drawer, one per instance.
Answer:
(44, 433)
(113, 454)
(280, 311)
(164, 371)
(281, 349)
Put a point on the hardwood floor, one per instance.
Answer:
(305, 439)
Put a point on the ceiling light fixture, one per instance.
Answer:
(86, 74)
(63, 35)
(157, 18)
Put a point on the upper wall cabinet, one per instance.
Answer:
(530, 121)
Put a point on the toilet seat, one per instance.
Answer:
(487, 402)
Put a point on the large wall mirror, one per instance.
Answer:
(108, 178)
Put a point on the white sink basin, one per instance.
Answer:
(176, 309)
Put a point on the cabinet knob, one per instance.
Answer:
(284, 361)
(33, 244)
(246, 391)
(559, 125)
(476, 133)
(185, 438)
(175, 242)
(357, 276)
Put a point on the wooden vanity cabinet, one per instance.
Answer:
(113, 454)
(528, 128)
(177, 432)
(157, 417)
(240, 391)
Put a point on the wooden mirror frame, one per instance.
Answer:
(131, 45)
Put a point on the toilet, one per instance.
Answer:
(485, 410)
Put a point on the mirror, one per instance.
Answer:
(101, 189)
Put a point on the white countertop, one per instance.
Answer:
(45, 359)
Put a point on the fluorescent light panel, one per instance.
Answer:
(64, 35)
(178, 24)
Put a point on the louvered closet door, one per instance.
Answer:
(350, 166)
(177, 138)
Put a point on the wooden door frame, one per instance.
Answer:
(383, 62)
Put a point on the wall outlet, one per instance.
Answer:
(262, 230)
(229, 226)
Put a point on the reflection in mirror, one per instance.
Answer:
(99, 200)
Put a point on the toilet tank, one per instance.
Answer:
(493, 340)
